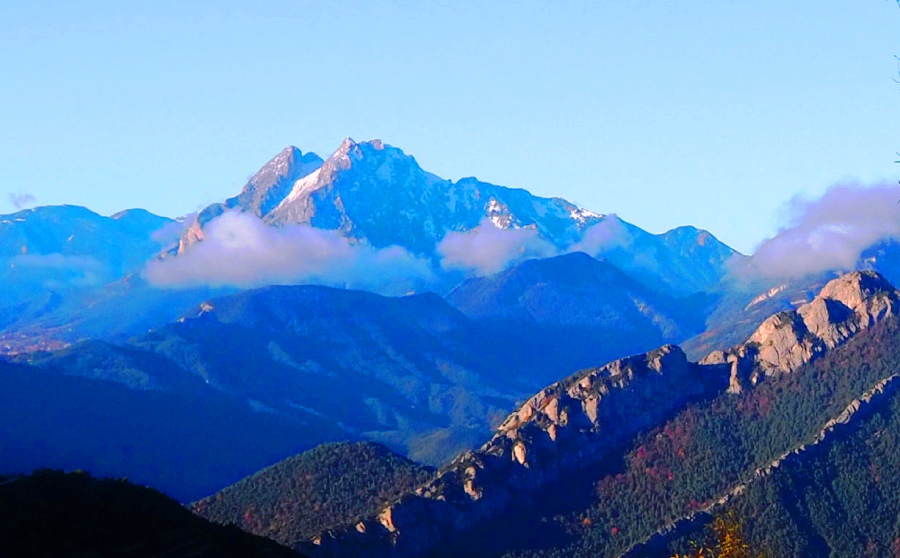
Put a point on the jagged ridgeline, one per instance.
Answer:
(601, 463)
(377, 194)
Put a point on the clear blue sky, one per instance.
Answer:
(712, 113)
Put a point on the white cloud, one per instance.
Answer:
(239, 249)
(828, 233)
(487, 249)
(608, 233)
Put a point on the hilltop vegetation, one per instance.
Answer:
(322, 488)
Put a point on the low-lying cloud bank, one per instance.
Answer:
(240, 250)
(829, 233)
(487, 249)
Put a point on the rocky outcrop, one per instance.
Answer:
(564, 428)
(578, 422)
(787, 340)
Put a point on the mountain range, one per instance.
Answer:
(377, 195)
(412, 372)
(355, 357)
(689, 445)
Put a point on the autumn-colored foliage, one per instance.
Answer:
(728, 541)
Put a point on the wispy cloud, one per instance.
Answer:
(20, 200)
(239, 249)
(171, 232)
(608, 233)
(64, 269)
(827, 233)
(487, 249)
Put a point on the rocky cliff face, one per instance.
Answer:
(263, 192)
(787, 340)
(567, 426)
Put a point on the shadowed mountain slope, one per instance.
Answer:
(54, 514)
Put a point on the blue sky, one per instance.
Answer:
(711, 113)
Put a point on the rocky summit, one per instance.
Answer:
(787, 340)
(375, 192)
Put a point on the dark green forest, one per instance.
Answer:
(323, 488)
(840, 499)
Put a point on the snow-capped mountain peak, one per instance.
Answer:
(267, 188)
(377, 193)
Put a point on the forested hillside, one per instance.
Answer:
(709, 448)
(838, 498)
(322, 488)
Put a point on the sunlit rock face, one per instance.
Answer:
(374, 192)
(787, 340)
(564, 428)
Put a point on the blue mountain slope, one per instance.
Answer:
(56, 237)
(66, 269)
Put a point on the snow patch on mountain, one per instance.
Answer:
(584, 215)
(301, 188)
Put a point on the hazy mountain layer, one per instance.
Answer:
(586, 296)
(57, 263)
(412, 372)
(187, 442)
